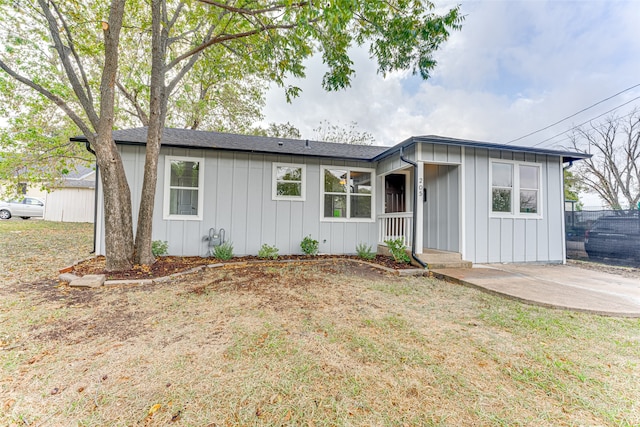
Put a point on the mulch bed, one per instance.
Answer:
(167, 265)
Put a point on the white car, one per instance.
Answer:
(25, 208)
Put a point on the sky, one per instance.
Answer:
(515, 67)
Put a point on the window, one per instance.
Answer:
(288, 182)
(502, 187)
(183, 180)
(529, 188)
(515, 189)
(347, 193)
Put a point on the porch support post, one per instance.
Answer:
(419, 207)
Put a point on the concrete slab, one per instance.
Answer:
(89, 281)
(556, 285)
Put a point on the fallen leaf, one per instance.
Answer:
(288, 416)
(176, 416)
(80, 389)
(8, 404)
(154, 409)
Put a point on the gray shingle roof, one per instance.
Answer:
(188, 138)
(259, 144)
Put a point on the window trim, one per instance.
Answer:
(348, 195)
(515, 190)
(167, 188)
(274, 182)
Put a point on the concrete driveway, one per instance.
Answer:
(554, 285)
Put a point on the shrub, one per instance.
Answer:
(398, 250)
(268, 252)
(364, 251)
(159, 248)
(309, 246)
(223, 252)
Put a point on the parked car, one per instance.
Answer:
(614, 237)
(25, 208)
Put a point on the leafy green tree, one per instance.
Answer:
(572, 187)
(278, 130)
(343, 134)
(65, 50)
(34, 145)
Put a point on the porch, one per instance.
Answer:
(399, 225)
(437, 236)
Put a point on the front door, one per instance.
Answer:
(394, 193)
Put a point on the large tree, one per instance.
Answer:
(35, 150)
(344, 134)
(51, 47)
(614, 170)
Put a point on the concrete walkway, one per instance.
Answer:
(558, 286)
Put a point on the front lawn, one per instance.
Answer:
(323, 344)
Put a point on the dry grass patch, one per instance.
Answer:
(329, 344)
(325, 344)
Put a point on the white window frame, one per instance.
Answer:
(515, 196)
(349, 169)
(274, 182)
(167, 188)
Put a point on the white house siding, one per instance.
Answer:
(70, 205)
(490, 239)
(237, 197)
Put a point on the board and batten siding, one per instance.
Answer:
(237, 198)
(441, 210)
(496, 240)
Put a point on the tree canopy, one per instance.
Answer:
(96, 61)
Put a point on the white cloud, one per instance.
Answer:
(515, 67)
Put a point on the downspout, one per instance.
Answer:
(95, 199)
(415, 211)
(564, 215)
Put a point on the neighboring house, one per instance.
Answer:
(73, 199)
(487, 202)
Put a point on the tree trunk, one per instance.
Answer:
(157, 113)
(117, 205)
(116, 194)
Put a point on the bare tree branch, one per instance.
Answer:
(140, 112)
(613, 172)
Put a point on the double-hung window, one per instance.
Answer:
(288, 182)
(515, 189)
(347, 194)
(183, 188)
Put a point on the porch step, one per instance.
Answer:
(442, 259)
(434, 258)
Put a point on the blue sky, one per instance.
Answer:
(515, 67)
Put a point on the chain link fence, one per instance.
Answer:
(609, 236)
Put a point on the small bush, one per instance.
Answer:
(223, 252)
(398, 250)
(268, 252)
(309, 246)
(159, 248)
(364, 251)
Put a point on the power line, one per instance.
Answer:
(573, 115)
(584, 123)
